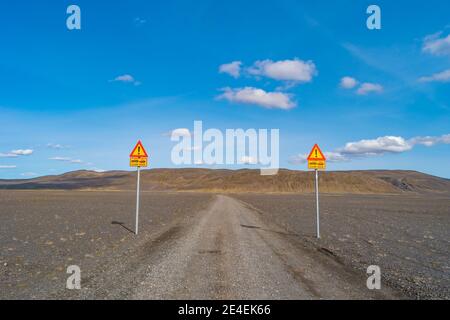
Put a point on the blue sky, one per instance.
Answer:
(80, 99)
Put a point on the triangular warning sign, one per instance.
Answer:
(316, 154)
(139, 151)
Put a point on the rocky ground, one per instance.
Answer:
(407, 236)
(44, 232)
(212, 246)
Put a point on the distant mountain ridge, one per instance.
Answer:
(365, 182)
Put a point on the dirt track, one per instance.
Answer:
(231, 254)
(191, 246)
(227, 252)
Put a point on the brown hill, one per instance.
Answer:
(240, 181)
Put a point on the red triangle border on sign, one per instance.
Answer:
(145, 155)
(310, 157)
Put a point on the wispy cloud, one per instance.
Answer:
(57, 146)
(437, 44)
(67, 159)
(233, 69)
(28, 174)
(368, 87)
(255, 96)
(430, 141)
(386, 60)
(8, 166)
(139, 21)
(126, 78)
(443, 76)
(59, 159)
(17, 153)
(366, 56)
(8, 155)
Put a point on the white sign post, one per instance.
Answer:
(138, 158)
(317, 161)
(137, 198)
(317, 204)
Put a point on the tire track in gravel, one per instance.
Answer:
(230, 253)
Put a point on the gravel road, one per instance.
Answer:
(227, 252)
(191, 246)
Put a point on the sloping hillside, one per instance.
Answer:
(240, 181)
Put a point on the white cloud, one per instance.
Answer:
(233, 68)
(291, 72)
(426, 141)
(336, 157)
(139, 21)
(126, 78)
(363, 89)
(17, 153)
(28, 174)
(66, 159)
(436, 45)
(7, 167)
(60, 159)
(390, 144)
(286, 70)
(431, 141)
(348, 83)
(250, 95)
(8, 155)
(443, 76)
(299, 159)
(367, 88)
(445, 139)
(22, 152)
(56, 146)
(381, 145)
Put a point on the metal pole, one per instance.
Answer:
(317, 204)
(137, 198)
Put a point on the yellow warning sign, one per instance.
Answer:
(139, 157)
(316, 159)
(138, 162)
(317, 164)
(139, 151)
(316, 154)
